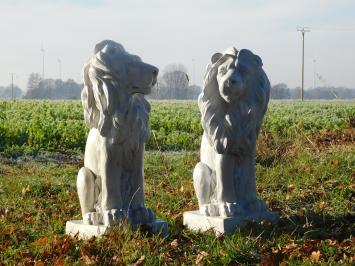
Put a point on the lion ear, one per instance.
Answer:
(216, 57)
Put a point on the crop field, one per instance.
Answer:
(305, 171)
(29, 127)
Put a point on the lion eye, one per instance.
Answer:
(222, 70)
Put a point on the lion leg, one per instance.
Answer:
(111, 175)
(225, 187)
(137, 211)
(86, 190)
(245, 186)
(204, 184)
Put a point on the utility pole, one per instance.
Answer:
(303, 30)
(42, 50)
(193, 72)
(60, 68)
(314, 73)
(12, 86)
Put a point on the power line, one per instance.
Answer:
(303, 30)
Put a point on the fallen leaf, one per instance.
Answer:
(40, 241)
(174, 243)
(291, 187)
(58, 262)
(87, 260)
(334, 162)
(315, 256)
(291, 245)
(275, 250)
(200, 257)
(9, 230)
(39, 263)
(140, 261)
(332, 242)
(322, 205)
(294, 255)
(25, 190)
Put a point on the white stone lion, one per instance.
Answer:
(232, 104)
(110, 185)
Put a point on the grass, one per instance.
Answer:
(312, 186)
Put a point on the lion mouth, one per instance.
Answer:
(153, 82)
(137, 90)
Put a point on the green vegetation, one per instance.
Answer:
(29, 127)
(305, 170)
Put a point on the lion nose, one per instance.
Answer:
(155, 73)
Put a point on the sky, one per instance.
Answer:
(187, 32)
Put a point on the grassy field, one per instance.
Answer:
(305, 171)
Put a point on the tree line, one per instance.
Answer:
(173, 83)
(281, 91)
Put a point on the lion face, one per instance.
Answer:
(233, 71)
(234, 100)
(230, 81)
(115, 82)
(135, 75)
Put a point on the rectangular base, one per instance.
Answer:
(196, 221)
(86, 231)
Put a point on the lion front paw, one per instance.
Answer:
(92, 218)
(112, 217)
(228, 209)
(141, 215)
(209, 209)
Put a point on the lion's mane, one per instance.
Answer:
(233, 127)
(109, 107)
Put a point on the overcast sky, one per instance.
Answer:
(187, 32)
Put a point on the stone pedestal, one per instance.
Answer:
(196, 221)
(86, 231)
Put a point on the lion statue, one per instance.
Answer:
(232, 105)
(110, 185)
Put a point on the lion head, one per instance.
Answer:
(234, 100)
(115, 83)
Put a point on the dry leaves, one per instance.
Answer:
(334, 162)
(174, 243)
(25, 190)
(140, 261)
(315, 256)
(291, 187)
(39, 263)
(201, 257)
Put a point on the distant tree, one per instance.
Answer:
(329, 93)
(193, 92)
(55, 89)
(280, 91)
(33, 81)
(7, 92)
(174, 82)
(295, 93)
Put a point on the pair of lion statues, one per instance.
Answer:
(232, 104)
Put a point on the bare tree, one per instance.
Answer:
(33, 81)
(174, 82)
